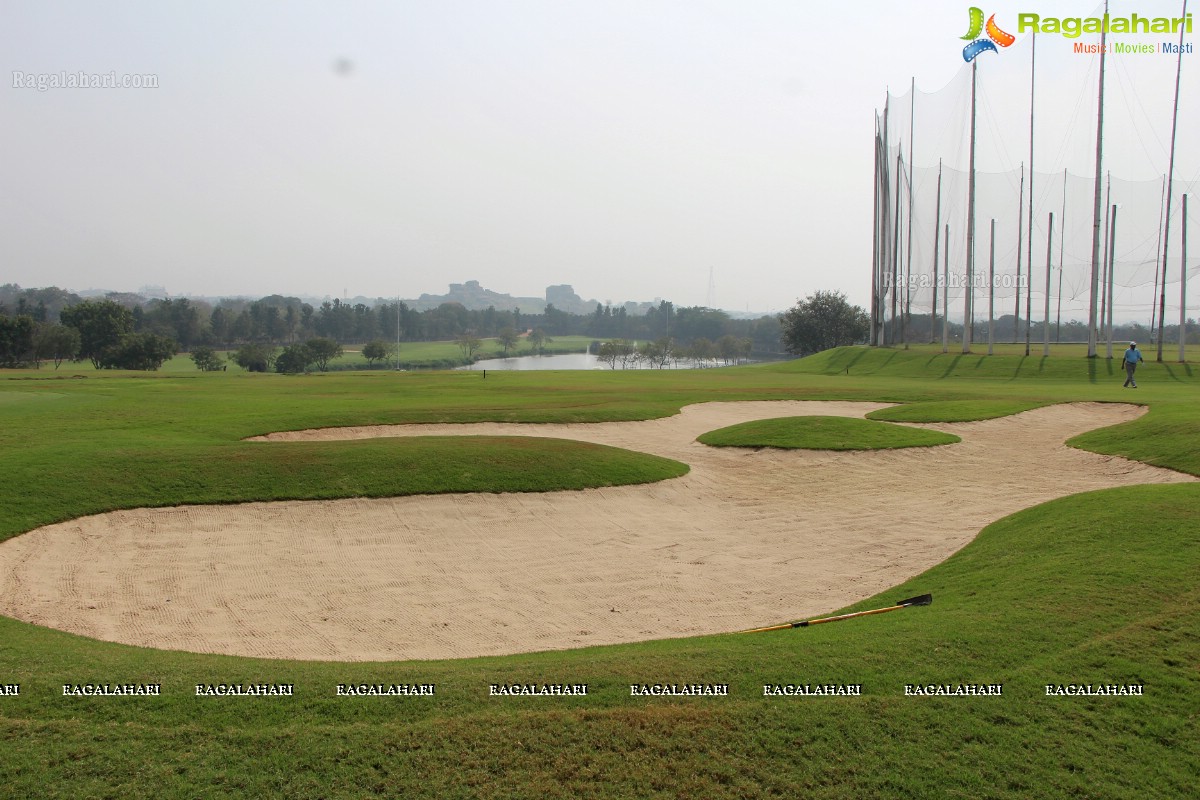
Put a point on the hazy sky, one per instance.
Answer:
(382, 148)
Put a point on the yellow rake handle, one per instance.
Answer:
(923, 600)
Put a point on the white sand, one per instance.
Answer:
(747, 538)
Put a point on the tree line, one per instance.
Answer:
(126, 331)
(286, 334)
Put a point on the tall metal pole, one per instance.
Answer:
(912, 112)
(1104, 261)
(1096, 204)
(968, 314)
(936, 241)
(992, 292)
(1183, 287)
(875, 244)
(1058, 317)
(1020, 244)
(1112, 270)
(1046, 316)
(946, 292)
(1157, 245)
(885, 226)
(1062, 241)
(1162, 303)
(890, 335)
(1029, 246)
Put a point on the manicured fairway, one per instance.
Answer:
(824, 433)
(1094, 589)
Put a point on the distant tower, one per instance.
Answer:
(711, 300)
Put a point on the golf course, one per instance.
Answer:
(532, 584)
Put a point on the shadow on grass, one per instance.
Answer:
(1186, 369)
(951, 367)
(880, 367)
(857, 357)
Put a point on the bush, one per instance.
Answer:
(207, 360)
(323, 350)
(145, 351)
(16, 341)
(377, 350)
(254, 357)
(294, 359)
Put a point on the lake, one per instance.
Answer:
(566, 361)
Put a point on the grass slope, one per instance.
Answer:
(952, 411)
(824, 433)
(1097, 588)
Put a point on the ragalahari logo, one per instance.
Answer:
(995, 36)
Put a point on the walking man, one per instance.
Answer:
(1132, 357)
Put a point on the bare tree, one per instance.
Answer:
(508, 339)
(469, 343)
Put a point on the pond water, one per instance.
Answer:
(565, 361)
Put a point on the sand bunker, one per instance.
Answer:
(747, 538)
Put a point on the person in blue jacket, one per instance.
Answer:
(1132, 357)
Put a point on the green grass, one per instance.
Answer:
(1093, 588)
(824, 433)
(1066, 362)
(952, 411)
(133, 476)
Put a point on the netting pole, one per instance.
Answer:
(936, 225)
(1162, 303)
(903, 272)
(992, 291)
(890, 330)
(1096, 204)
(968, 311)
(1183, 288)
(1062, 241)
(885, 224)
(946, 292)
(1058, 317)
(884, 229)
(912, 113)
(1029, 244)
(1046, 316)
(875, 238)
(1020, 244)
(1112, 270)
(1157, 246)
(1104, 262)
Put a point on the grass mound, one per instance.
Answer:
(1067, 362)
(824, 433)
(145, 476)
(952, 411)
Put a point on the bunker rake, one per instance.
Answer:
(923, 600)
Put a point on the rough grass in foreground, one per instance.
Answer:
(824, 433)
